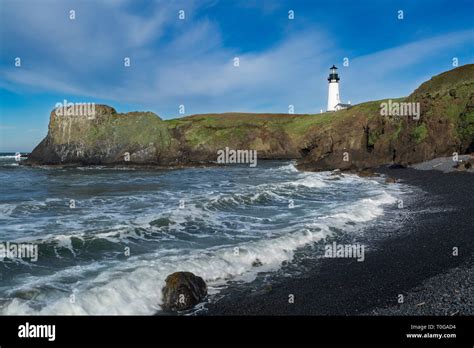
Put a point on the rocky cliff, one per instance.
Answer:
(366, 135)
(363, 137)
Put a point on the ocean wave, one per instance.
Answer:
(134, 286)
(286, 168)
(81, 249)
(310, 181)
(121, 291)
(6, 210)
(365, 210)
(8, 165)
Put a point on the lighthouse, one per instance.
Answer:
(334, 101)
(333, 92)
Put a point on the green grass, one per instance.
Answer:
(301, 125)
(140, 129)
(216, 129)
(466, 126)
(442, 83)
(397, 132)
(419, 133)
(373, 137)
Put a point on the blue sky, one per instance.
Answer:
(190, 62)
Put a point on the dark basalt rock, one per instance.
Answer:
(464, 165)
(397, 166)
(366, 173)
(183, 290)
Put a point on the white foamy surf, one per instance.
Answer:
(229, 229)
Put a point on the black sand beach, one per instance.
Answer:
(416, 262)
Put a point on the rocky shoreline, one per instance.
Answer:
(450, 293)
(416, 262)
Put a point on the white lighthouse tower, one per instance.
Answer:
(333, 92)
(334, 101)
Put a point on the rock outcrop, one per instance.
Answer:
(104, 137)
(183, 290)
(353, 139)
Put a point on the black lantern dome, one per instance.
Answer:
(333, 76)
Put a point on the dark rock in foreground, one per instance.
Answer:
(464, 165)
(183, 290)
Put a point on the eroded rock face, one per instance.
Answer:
(102, 137)
(183, 290)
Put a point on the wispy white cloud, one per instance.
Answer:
(382, 72)
(177, 62)
(192, 63)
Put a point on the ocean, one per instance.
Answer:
(107, 237)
